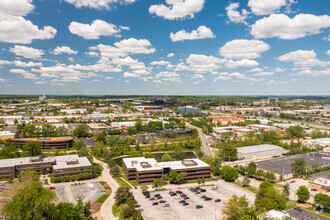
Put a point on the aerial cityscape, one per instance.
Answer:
(165, 109)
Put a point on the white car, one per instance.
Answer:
(91, 187)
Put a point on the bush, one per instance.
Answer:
(73, 178)
(229, 173)
(65, 178)
(127, 212)
(303, 194)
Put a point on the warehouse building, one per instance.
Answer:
(189, 109)
(60, 165)
(148, 169)
(258, 151)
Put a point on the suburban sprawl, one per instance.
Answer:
(164, 157)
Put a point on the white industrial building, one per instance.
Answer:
(259, 151)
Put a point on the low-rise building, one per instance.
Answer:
(189, 109)
(6, 135)
(320, 184)
(258, 151)
(60, 165)
(46, 142)
(148, 169)
(226, 119)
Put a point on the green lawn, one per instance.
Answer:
(102, 199)
(327, 214)
(122, 182)
(250, 188)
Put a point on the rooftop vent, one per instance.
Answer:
(189, 163)
(36, 159)
(72, 161)
(145, 165)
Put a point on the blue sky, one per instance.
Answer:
(165, 47)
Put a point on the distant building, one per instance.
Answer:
(74, 111)
(272, 100)
(298, 100)
(189, 109)
(6, 135)
(152, 107)
(47, 142)
(61, 165)
(148, 169)
(320, 184)
(42, 98)
(226, 119)
(258, 151)
(178, 132)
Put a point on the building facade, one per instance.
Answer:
(148, 169)
(46, 143)
(258, 151)
(60, 165)
(189, 109)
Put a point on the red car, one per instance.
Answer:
(151, 199)
(51, 188)
(183, 195)
(170, 192)
(159, 197)
(197, 192)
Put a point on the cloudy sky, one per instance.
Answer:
(165, 47)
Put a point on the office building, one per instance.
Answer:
(189, 109)
(46, 142)
(61, 165)
(148, 169)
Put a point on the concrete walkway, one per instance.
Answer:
(105, 212)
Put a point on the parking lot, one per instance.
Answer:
(176, 211)
(282, 164)
(66, 192)
(310, 215)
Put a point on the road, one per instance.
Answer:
(206, 149)
(105, 212)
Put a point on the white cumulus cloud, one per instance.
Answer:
(27, 52)
(243, 49)
(95, 30)
(97, 4)
(64, 49)
(283, 27)
(26, 64)
(202, 32)
(264, 7)
(16, 7)
(177, 9)
(302, 58)
(234, 15)
(15, 29)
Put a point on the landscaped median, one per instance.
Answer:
(98, 203)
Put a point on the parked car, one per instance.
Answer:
(182, 201)
(298, 209)
(140, 209)
(173, 194)
(162, 201)
(186, 203)
(147, 196)
(202, 190)
(166, 205)
(159, 197)
(155, 203)
(314, 190)
(214, 188)
(51, 188)
(197, 192)
(183, 195)
(217, 200)
(199, 206)
(207, 199)
(179, 192)
(151, 199)
(203, 196)
(185, 198)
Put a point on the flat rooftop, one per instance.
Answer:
(46, 139)
(258, 148)
(70, 161)
(144, 164)
(24, 161)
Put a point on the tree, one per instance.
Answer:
(166, 157)
(48, 130)
(203, 180)
(28, 176)
(81, 131)
(270, 136)
(298, 167)
(144, 188)
(235, 207)
(157, 183)
(199, 181)
(230, 153)
(303, 194)
(138, 125)
(322, 201)
(30, 131)
(251, 169)
(295, 131)
(67, 211)
(9, 151)
(174, 177)
(286, 190)
(270, 176)
(30, 202)
(259, 174)
(115, 171)
(101, 137)
(268, 198)
(229, 173)
(246, 181)
(32, 148)
(61, 131)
